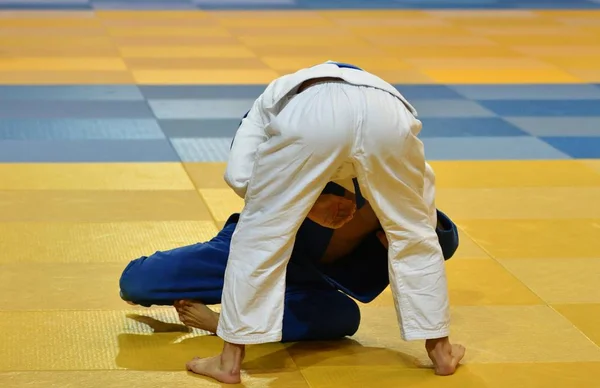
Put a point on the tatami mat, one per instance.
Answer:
(116, 119)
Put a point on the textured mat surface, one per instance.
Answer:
(115, 122)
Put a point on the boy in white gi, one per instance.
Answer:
(326, 123)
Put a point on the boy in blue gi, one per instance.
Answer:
(327, 269)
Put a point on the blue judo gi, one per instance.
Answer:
(318, 297)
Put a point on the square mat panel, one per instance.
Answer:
(558, 281)
(536, 238)
(101, 206)
(98, 242)
(94, 176)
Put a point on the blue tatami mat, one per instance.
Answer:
(576, 147)
(197, 123)
(63, 151)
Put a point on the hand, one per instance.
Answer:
(381, 236)
(332, 211)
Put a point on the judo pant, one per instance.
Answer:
(332, 131)
(313, 308)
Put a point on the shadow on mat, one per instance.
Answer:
(172, 345)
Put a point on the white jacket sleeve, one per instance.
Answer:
(429, 194)
(248, 137)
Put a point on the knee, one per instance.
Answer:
(321, 317)
(133, 285)
(349, 315)
(341, 320)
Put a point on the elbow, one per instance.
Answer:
(447, 233)
(134, 286)
(239, 186)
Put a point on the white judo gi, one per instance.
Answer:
(286, 150)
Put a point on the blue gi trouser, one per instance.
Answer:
(314, 309)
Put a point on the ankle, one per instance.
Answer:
(437, 344)
(232, 357)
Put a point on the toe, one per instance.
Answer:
(459, 350)
(185, 319)
(192, 365)
(182, 316)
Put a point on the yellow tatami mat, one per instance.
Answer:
(523, 284)
(114, 129)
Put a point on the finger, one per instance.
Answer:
(339, 222)
(343, 213)
(342, 201)
(350, 208)
(349, 218)
(349, 205)
(353, 210)
(346, 204)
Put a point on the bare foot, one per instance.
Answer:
(444, 355)
(225, 368)
(194, 314)
(211, 367)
